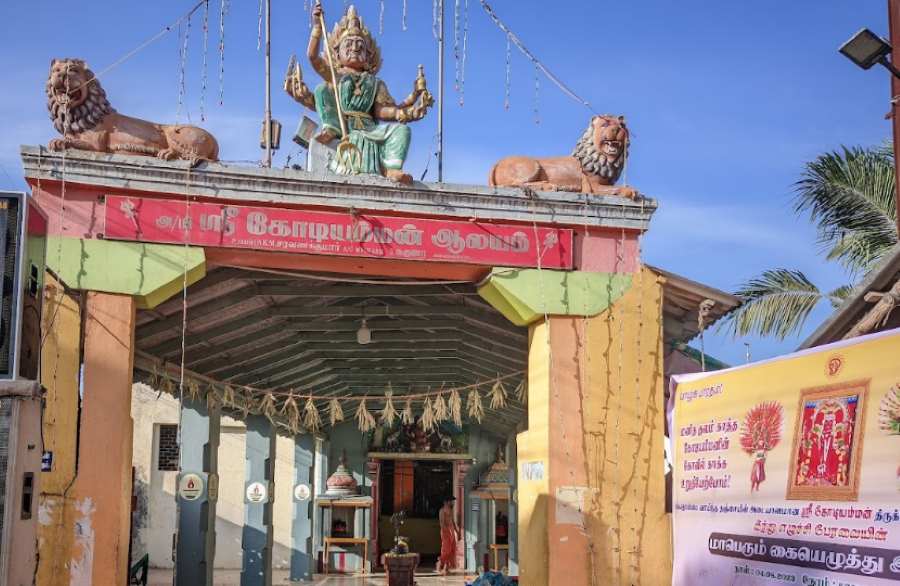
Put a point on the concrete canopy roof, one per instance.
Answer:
(855, 307)
(681, 305)
(253, 185)
(278, 331)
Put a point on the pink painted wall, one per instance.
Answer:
(606, 250)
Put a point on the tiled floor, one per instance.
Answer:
(233, 578)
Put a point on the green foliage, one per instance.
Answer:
(849, 196)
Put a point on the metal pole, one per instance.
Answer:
(894, 28)
(440, 131)
(268, 130)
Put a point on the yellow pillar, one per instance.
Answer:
(60, 359)
(103, 485)
(591, 482)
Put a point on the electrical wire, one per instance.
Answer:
(531, 57)
(167, 29)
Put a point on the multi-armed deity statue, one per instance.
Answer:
(353, 104)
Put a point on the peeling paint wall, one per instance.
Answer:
(60, 363)
(82, 564)
(591, 474)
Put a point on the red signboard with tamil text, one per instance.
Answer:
(334, 233)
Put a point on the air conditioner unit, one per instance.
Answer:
(23, 245)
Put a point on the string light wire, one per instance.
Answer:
(511, 36)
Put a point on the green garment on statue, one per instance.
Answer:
(382, 145)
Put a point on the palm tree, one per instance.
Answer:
(849, 196)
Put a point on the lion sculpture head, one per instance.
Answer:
(603, 148)
(75, 99)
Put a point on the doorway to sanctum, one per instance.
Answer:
(417, 489)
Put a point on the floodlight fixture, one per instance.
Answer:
(305, 132)
(865, 49)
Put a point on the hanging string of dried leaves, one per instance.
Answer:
(153, 380)
(440, 409)
(228, 396)
(267, 406)
(455, 404)
(311, 419)
(389, 413)
(292, 412)
(246, 404)
(474, 406)
(522, 392)
(364, 420)
(193, 389)
(498, 395)
(335, 412)
(427, 420)
(212, 399)
(407, 417)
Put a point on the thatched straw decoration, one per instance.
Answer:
(474, 406)
(427, 420)
(498, 395)
(407, 417)
(267, 406)
(522, 392)
(440, 409)
(311, 419)
(153, 380)
(455, 405)
(247, 403)
(292, 412)
(167, 385)
(335, 412)
(364, 420)
(193, 389)
(228, 396)
(388, 414)
(212, 399)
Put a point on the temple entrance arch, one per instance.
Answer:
(598, 298)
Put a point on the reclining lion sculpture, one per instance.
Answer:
(594, 167)
(82, 114)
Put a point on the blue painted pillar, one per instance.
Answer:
(257, 537)
(197, 492)
(513, 529)
(301, 526)
(321, 525)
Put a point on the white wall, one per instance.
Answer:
(156, 495)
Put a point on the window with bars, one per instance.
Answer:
(167, 459)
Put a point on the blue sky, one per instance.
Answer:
(726, 101)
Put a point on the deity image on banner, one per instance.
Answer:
(889, 416)
(825, 459)
(760, 433)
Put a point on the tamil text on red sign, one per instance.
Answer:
(333, 233)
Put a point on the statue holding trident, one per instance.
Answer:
(353, 104)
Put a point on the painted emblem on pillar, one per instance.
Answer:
(257, 492)
(302, 492)
(190, 487)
